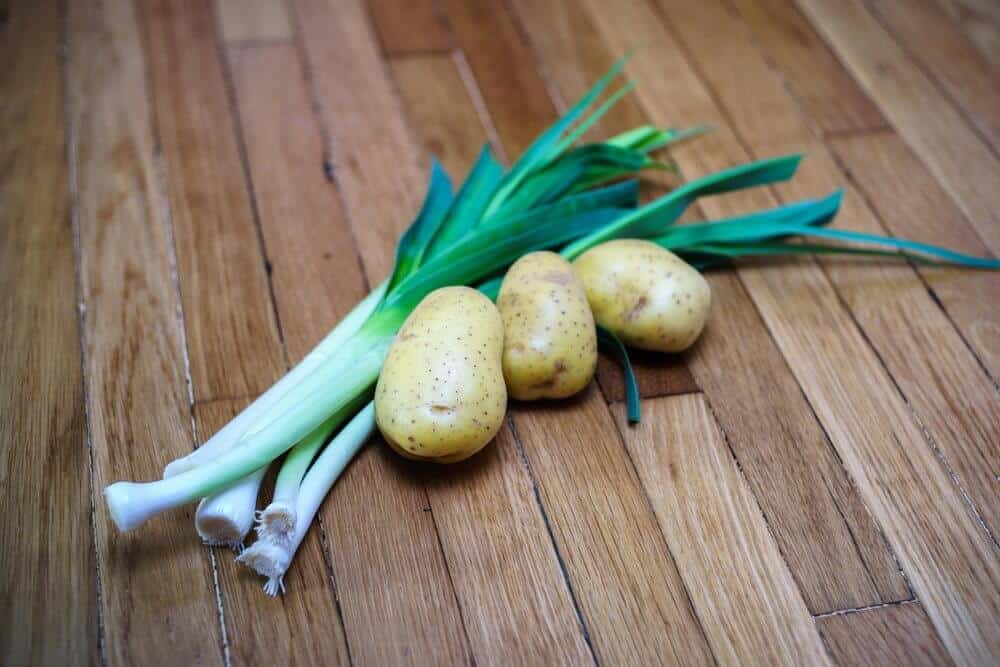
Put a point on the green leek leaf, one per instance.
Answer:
(611, 342)
(415, 241)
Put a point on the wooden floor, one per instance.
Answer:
(193, 193)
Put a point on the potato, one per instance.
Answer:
(441, 396)
(648, 296)
(550, 341)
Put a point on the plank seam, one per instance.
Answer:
(931, 76)
(476, 95)
(328, 172)
(928, 437)
(188, 381)
(81, 309)
(659, 530)
(739, 139)
(451, 577)
(855, 610)
(159, 173)
(241, 147)
(767, 524)
(866, 198)
(328, 166)
(669, 394)
(833, 135)
(584, 630)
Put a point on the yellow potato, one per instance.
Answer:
(648, 296)
(550, 342)
(441, 396)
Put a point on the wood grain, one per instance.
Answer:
(157, 597)
(921, 114)
(630, 595)
(391, 577)
(656, 374)
(818, 518)
(741, 589)
(411, 27)
(945, 553)
(232, 337)
(515, 604)
(315, 270)
(831, 98)
(441, 111)
(317, 279)
(46, 542)
(889, 301)
(911, 203)
(254, 20)
(504, 70)
(374, 157)
(950, 59)
(893, 635)
(261, 629)
(386, 556)
(947, 391)
(982, 31)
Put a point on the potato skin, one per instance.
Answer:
(550, 341)
(646, 295)
(440, 396)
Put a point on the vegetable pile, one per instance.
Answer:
(430, 361)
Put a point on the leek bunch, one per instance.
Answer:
(558, 195)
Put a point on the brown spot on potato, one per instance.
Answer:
(557, 277)
(641, 303)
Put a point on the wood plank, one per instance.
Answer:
(48, 548)
(656, 374)
(928, 122)
(894, 635)
(232, 338)
(943, 383)
(499, 552)
(946, 554)
(818, 518)
(830, 97)
(515, 602)
(254, 20)
(410, 28)
(950, 59)
(316, 274)
(385, 552)
(983, 32)
(375, 158)
(740, 587)
(900, 319)
(441, 111)
(504, 69)
(630, 595)
(300, 628)
(157, 594)
(911, 203)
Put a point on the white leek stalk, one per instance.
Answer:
(277, 521)
(271, 558)
(328, 389)
(225, 518)
(229, 434)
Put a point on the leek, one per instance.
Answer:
(554, 197)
